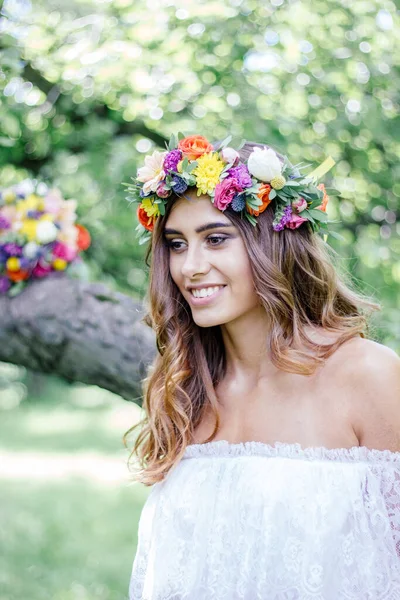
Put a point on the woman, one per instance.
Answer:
(272, 428)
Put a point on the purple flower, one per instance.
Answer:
(5, 284)
(34, 214)
(4, 223)
(24, 263)
(171, 160)
(12, 249)
(143, 195)
(179, 185)
(287, 215)
(242, 175)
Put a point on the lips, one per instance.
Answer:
(200, 301)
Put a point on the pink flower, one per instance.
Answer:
(295, 221)
(63, 251)
(225, 191)
(41, 270)
(299, 204)
(53, 201)
(162, 191)
(229, 155)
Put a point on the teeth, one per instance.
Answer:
(203, 292)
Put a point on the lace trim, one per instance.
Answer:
(223, 448)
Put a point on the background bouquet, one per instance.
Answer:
(38, 234)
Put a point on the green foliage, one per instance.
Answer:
(72, 531)
(87, 89)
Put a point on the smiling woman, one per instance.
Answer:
(266, 380)
(208, 263)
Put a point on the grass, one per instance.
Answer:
(74, 537)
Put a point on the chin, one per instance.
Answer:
(209, 320)
(204, 321)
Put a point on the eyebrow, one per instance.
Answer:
(199, 229)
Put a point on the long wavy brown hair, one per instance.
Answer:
(300, 283)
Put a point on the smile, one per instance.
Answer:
(199, 297)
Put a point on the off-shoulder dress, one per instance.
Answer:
(253, 521)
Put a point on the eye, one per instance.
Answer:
(213, 240)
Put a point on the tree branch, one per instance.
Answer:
(54, 94)
(80, 331)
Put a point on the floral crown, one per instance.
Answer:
(245, 187)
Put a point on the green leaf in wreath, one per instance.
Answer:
(336, 235)
(224, 143)
(172, 142)
(318, 215)
(251, 218)
(17, 288)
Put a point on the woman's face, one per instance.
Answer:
(207, 251)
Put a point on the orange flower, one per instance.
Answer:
(325, 199)
(83, 241)
(263, 194)
(193, 146)
(144, 219)
(16, 276)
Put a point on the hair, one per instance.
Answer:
(299, 282)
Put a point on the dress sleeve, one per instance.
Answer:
(391, 492)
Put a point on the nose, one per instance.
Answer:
(195, 262)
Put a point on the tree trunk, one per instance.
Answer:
(80, 331)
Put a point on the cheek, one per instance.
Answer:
(175, 270)
(239, 271)
(241, 277)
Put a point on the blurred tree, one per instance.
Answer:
(89, 86)
(79, 331)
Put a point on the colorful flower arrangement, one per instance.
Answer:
(247, 188)
(38, 234)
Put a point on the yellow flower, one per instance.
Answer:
(9, 196)
(207, 173)
(13, 263)
(31, 202)
(151, 209)
(29, 229)
(278, 182)
(59, 264)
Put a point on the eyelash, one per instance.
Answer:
(214, 237)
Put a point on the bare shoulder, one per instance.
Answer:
(371, 373)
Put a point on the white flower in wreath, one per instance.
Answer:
(264, 164)
(46, 232)
(230, 155)
(152, 172)
(31, 250)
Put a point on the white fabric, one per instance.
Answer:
(252, 521)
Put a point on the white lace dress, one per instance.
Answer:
(252, 521)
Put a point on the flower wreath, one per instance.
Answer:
(38, 234)
(247, 188)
